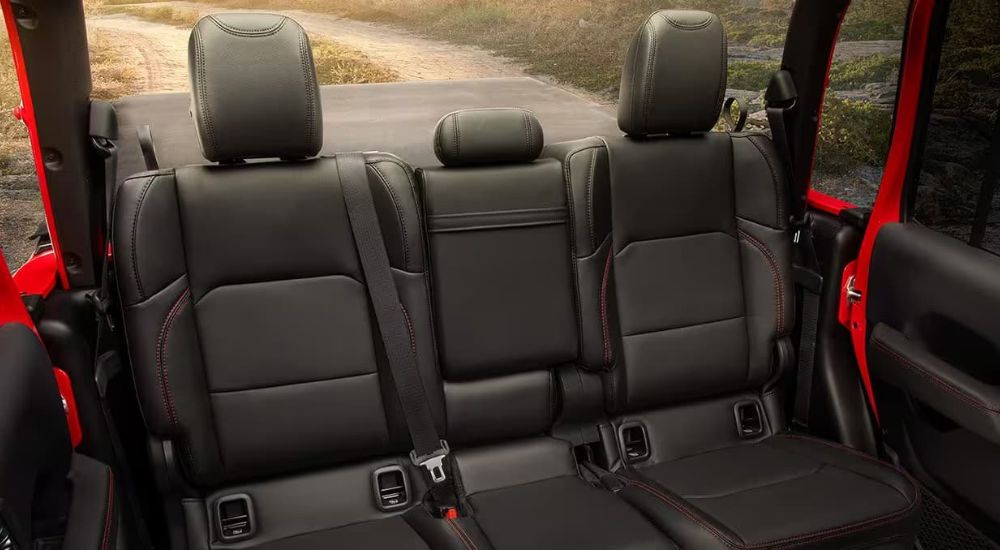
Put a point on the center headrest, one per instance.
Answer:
(253, 88)
(675, 74)
(487, 136)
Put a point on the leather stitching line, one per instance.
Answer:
(305, 56)
(680, 26)
(135, 224)
(779, 286)
(787, 541)
(202, 92)
(251, 32)
(605, 330)
(161, 356)
(409, 328)
(109, 511)
(778, 194)
(399, 214)
(947, 386)
(650, 67)
(590, 198)
(527, 133)
(458, 137)
(461, 534)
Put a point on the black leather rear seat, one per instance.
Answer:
(247, 315)
(692, 305)
(505, 317)
(662, 263)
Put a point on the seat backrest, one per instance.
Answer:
(698, 291)
(246, 311)
(502, 280)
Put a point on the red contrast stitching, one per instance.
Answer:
(108, 512)
(817, 535)
(605, 331)
(944, 384)
(797, 539)
(461, 534)
(409, 328)
(779, 286)
(161, 365)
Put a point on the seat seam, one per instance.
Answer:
(590, 198)
(249, 33)
(779, 287)
(109, 510)
(906, 362)
(776, 183)
(166, 394)
(288, 384)
(671, 237)
(134, 231)
(666, 329)
(649, 76)
(813, 472)
(605, 328)
(461, 534)
(859, 454)
(786, 541)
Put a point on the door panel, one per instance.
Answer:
(934, 349)
(932, 300)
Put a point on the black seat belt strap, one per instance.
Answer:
(429, 450)
(781, 98)
(145, 136)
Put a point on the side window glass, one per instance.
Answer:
(857, 113)
(956, 191)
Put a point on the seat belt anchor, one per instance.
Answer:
(433, 462)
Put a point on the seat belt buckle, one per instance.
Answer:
(433, 462)
(102, 307)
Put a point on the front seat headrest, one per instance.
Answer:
(487, 136)
(253, 88)
(675, 75)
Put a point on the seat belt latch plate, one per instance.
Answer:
(433, 462)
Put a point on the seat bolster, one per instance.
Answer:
(94, 511)
(586, 173)
(395, 194)
(760, 180)
(146, 235)
(856, 461)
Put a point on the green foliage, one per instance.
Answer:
(874, 20)
(751, 75)
(852, 133)
(847, 75)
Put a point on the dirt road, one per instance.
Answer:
(162, 49)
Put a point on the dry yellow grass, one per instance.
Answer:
(168, 15)
(338, 64)
(111, 76)
(13, 135)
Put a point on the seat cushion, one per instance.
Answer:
(391, 533)
(784, 491)
(562, 512)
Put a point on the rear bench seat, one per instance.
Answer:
(261, 373)
(692, 304)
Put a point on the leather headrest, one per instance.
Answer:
(487, 136)
(253, 88)
(675, 74)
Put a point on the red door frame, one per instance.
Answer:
(26, 114)
(888, 202)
